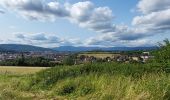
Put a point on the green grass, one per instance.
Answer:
(99, 81)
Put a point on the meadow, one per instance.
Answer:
(20, 69)
(97, 81)
(99, 55)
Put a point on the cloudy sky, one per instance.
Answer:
(107, 23)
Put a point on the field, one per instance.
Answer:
(98, 81)
(20, 70)
(100, 55)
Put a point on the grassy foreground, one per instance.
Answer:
(100, 81)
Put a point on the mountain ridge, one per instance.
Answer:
(22, 48)
(29, 48)
(81, 48)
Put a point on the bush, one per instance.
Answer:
(67, 88)
(70, 60)
(37, 61)
(163, 54)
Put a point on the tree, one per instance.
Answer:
(21, 61)
(70, 60)
(163, 54)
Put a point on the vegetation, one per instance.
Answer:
(103, 81)
(20, 70)
(37, 61)
(70, 60)
(94, 81)
(163, 55)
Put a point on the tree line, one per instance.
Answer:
(36, 61)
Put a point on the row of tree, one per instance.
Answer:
(37, 61)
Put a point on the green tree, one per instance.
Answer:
(21, 61)
(163, 54)
(70, 60)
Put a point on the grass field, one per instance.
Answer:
(20, 70)
(100, 55)
(98, 81)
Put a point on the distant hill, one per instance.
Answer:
(22, 48)
(78, 49)
(29, 48)
(2, 50)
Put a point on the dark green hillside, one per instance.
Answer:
(22, 48)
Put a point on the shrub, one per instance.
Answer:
(163, 54)
(66, 89)
(69, 60)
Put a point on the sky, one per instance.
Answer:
(104, 23)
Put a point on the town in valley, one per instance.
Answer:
(81, 57)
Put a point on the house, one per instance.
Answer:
(122, 58)
(135, 58)
(145, 56)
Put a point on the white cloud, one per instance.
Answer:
(85, 14)
(41, 39)
(36, 9)
(138, 42)
(149, 6)
(2, 11)
(154, 18)
(81, 11)
(111, 42)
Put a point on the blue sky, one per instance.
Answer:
(52, 23)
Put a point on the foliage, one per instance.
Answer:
(70, 60)
(36, 61)
(163, 54)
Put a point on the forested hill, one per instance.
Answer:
(29, 48)
(22, 48)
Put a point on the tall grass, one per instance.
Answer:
(96, 81)
(47, 78)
